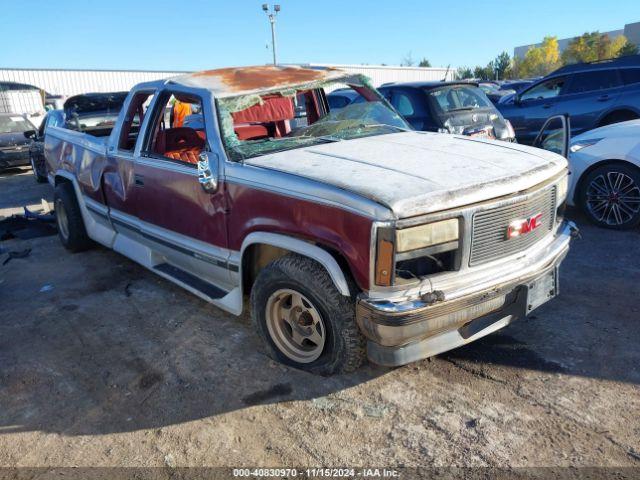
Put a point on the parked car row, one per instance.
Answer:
(592, 94)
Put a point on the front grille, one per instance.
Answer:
(489, 232)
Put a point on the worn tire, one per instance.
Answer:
(344, 346)
(74, 236)
(632, 174)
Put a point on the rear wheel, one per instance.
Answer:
(71, 229)
(610, 196)
(302, 318)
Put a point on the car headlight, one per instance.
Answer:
(428, 235)
(562, 187)
(580, 144)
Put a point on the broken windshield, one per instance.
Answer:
(279, 121)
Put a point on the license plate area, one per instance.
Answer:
(541, 290)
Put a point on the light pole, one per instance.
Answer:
(272, 19)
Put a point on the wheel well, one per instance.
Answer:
(617, 116)
(585, 174)
(60, 179)
(259, 255)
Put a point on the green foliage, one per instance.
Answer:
(502, 65)
(464, 73)
(628, 49)
(424, 63)
(593, 46)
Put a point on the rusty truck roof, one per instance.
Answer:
(236, 81)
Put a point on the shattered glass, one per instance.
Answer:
(354, 121)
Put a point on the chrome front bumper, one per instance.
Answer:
(400, 332)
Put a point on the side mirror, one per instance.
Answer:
(31, 134)
(516, 99)
(208, 171)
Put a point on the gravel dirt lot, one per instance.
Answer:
(110, 365)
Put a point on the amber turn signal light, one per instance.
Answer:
(384, 261)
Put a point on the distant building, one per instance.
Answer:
(66, 82)
(630, 30)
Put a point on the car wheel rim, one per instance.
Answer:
(295, 326)
(613, 198)
(62, 220)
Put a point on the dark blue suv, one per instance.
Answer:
(592, 94)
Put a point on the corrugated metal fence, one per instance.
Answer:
(73, 82)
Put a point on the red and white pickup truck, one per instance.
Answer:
(349, 231)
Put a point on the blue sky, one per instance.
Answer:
(199, 34)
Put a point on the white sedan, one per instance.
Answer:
(605, 174)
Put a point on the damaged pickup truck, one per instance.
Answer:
(350, 232)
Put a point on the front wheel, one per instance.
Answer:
(71, 228)
(303, 319)
(610, 196)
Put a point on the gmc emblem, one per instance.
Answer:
(522, 226)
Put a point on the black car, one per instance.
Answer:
(14, 146)
(36, 149)
(450, 107)
(591, 94)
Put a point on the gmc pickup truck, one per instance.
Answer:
(351, 233)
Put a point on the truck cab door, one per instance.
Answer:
(118, 178)
(555, 135)
(181, 210)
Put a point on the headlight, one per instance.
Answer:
(562, 187)
(424, 236)
(580, 144)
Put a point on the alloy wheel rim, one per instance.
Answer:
(613, 198)
(295, 326)
(61, 219)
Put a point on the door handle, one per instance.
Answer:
(603, 98)
(138, 180)
(547, 105)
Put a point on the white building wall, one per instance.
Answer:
(73, 82)
(380, 74)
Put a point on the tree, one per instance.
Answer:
(539, 61)
(502, 64)
(484, 73)
(424, 63)
(628, 49)
(464, 73)
(407, 61)
(593, 46)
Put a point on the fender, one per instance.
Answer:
(303, 248)
(101, 233)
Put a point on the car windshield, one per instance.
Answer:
(14, 124)
(458, 98)
(291, 120)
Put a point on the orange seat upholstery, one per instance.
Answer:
(183, 143)
(187, 155)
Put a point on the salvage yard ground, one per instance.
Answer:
(103, 363)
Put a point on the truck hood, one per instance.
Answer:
(414, 173)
